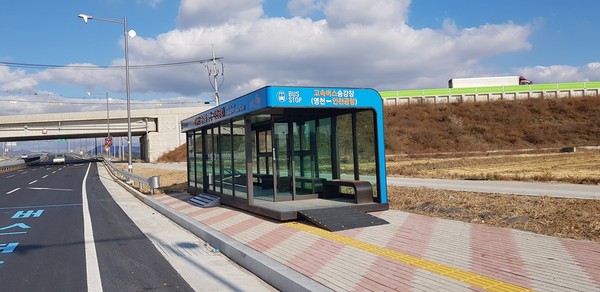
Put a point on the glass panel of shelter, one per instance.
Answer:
(262, 157)
(366, 148)
(209, 160)
(191, 164)
(217, 165)
(345, 152)
(295, 164)
(282, 162)
(198, 152)
(305, 159)
(239, 159)
(324, 140)
(226, 152)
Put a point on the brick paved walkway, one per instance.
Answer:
(412, 253)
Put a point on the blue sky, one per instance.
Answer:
(383, 44)
(563, 32)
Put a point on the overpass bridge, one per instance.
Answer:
(159, 130)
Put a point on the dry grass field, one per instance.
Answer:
(581, 167)
(416, 135)
(568, 218)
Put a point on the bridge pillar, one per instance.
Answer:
(159, 143)
(144, 148)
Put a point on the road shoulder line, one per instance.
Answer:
(94, 282)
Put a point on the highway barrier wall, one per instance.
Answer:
(491, 93)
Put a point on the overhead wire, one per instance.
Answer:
(13, 100)
(111, 67)
(95, 67)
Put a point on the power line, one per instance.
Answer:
(16, 101)
(115, 67)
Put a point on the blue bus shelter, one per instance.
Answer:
(279, 151)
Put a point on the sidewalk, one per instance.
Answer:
(412, 253)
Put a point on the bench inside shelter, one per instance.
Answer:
(327, 189)
(363, 191)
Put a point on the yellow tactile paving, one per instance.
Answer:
(467, 277)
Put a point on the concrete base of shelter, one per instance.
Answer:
(289, 210)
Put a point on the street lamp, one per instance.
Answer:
(131, 33)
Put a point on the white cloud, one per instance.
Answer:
(207, 13)
(562, 73)
(374, 13)
(303, 7)
(151, 3)
(16, 80)
(360, 43)
(365, 47)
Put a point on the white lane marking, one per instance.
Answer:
(54, 172)
(51, 189)
(13, 191)
(12, 175)
(33, 182)
(45, 176)
(94, 282)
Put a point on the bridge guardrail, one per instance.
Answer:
(153, 182)
(11, 167)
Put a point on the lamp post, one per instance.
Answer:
(125, 34)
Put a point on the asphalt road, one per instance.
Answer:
(44, 238)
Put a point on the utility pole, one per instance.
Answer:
(214, 72)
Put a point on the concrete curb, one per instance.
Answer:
(271, 271)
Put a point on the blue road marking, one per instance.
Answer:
(8, 247)
(23, 214)
(13, 233)
(20, 225)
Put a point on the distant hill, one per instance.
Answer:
(482, 126)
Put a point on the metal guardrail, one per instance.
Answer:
(153, 182)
